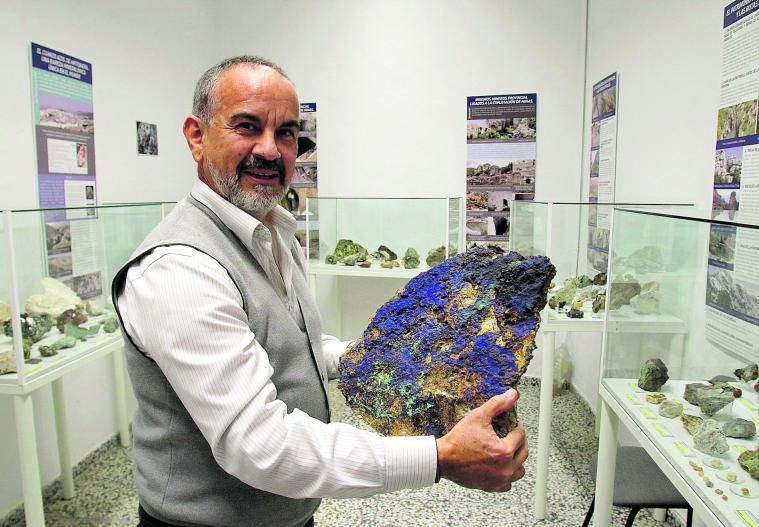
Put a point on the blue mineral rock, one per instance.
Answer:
(455, 336)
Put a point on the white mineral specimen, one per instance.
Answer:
(55, 299)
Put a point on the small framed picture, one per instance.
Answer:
(147, 139)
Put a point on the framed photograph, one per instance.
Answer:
(147, 139)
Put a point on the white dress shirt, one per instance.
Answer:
(183, 310)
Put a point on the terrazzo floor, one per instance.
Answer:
(105, 494)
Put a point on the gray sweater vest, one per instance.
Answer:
(177, 477)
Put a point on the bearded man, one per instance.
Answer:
(225, 349)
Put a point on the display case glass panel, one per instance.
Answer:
(575, 236)
(696, 329)
(56, 270)
(431, 227)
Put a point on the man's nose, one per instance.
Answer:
(266, 147)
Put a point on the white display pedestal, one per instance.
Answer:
(52, 374)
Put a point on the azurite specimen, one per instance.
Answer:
(455, 336)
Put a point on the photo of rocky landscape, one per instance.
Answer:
(58, 237)
(737, 120)
(476, 226)
(496, 173)
(605, 101)
(728, 164)
(306, 150)
(511, 128)
(498, 200)
(725, 199)
(304, 175)
(722, 245)
(68, 114)
(724, 291)
(476, 200)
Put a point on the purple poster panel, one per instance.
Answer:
(64, 133)
(501, 152)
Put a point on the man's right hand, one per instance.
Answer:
(473, 456)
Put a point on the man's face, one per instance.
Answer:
(249, 146)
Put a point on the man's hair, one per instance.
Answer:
(203, 100)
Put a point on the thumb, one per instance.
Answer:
(498, 404)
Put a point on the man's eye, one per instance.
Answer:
(246, 127)
(287, 132)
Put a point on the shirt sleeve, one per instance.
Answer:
(182, 309)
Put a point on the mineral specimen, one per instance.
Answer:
(721, 379)
(7, 363)
(75, 317)
(347, 248)
(435, 256)
(575, 313)
(692, 423)
(655, 398)
(670, 409)
(384, 253)
(55, 299)
(47, 351)
(5, 312)
(63, 343)
(749, 373)
(599, 279)
(564, 296)
(80, 333)
(739, 428)
(33, 327)
(110, 325)
(390, 264)
(599, 302)
(653, 375)
(711, 400)
(93, 308)
(623, 288)
(647, 301)
(647, 259)
(710, 440)
(691, 392)
(455, 336)
(351, 260)
(749, 461)
(411, 259)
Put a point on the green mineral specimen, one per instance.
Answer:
(81, 333)
(749, 461)
(670, 409)
(435, 256)
(346, 248)
(711, 400)
(692, 423)
(710, 439)
(63, 343)
(384, 254)
(33, 327)
(691, 392)
(75, 317)
(653, 375)
(564, 296)
(110, 325)
(411, 259)
(47, 351)
(739, 428)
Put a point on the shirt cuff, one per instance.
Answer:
(410, 462)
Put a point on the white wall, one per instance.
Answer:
(146, 57)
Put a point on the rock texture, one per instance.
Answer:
(749, 461)
(653, 375)
(455, 336)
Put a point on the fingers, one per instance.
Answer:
(498, 404)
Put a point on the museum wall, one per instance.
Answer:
(146, 57)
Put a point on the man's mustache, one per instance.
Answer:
(253, 163)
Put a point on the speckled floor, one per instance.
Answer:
(105, 493)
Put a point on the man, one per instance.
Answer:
(225, 350)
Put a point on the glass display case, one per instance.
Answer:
(691, 402)
(397, 237)
(56, 267)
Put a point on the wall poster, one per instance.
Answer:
(501, 153)
(603, 155)
(732, 284)
(64, 129)
(304, 183)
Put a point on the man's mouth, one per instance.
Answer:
(260, 173)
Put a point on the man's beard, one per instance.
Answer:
(264, 198)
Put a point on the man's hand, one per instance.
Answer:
(473, 456)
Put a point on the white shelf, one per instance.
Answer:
(671, 447)
(319, 268)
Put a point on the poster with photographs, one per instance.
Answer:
(732, 282)
(64, 129)
(501, 152)
(147, 139)
(602, 171)
(304, 182)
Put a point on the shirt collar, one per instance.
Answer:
(245, 226)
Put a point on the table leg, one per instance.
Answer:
(544, 426)
(120, 389)
(27, 456)
(607, 463)
(61, 430)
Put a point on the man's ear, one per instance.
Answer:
(193, 132)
